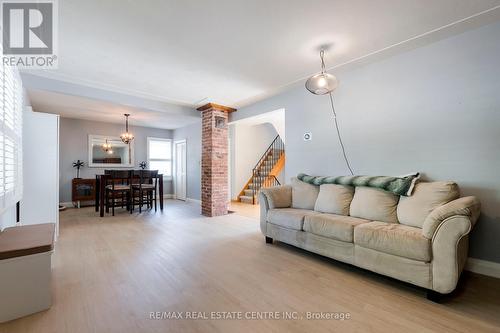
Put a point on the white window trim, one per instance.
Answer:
(149, 138)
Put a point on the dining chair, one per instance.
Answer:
(118, 189)
(144, 188)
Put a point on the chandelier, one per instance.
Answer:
(107, 147)
(127, 137)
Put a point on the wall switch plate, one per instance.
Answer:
(307, 136)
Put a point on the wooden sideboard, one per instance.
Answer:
(82, 190)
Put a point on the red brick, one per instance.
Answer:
(214, 164)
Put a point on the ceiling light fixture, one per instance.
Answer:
(324, 83)
(127, 137)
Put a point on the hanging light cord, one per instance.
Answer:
(322, 56)
(338, 134)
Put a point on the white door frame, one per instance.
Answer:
(175, 167)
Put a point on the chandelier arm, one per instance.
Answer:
(339, 136)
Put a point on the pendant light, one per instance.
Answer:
(127, 137)
(322, 84)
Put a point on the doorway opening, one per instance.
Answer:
(256, 155)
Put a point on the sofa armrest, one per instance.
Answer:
(450, 246)
(273, 197)
(278, 196)
(448, 227)
(264, 208)
(467, 207)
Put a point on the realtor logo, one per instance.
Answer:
(29, 33)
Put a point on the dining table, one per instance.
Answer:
(101, 180)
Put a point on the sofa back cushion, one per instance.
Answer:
(334, 199)
(426, 197)
(304, 195)
(374, 204)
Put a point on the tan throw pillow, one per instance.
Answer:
(334, 199)
(426, 197)
(374, 204)
(304, 195)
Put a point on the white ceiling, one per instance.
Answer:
(71, 106)
(229, 52)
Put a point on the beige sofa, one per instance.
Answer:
(421, 239)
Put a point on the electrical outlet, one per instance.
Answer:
(307, 136)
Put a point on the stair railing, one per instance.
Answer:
(260, 173)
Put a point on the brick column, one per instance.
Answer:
(214, 164)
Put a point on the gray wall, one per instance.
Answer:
(192, 135)
(73, 143)
(248, 143)
(435, 109)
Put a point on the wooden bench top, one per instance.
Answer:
(26, 240)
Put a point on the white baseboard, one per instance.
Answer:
(193, 200)
(168, 196)
(484, 267)
(66, 204)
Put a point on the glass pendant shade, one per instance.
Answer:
(126, 137)
(322, 83)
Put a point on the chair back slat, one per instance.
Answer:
(118, 177)
(120, 174)
(145, 177)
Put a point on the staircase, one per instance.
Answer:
(265, 172)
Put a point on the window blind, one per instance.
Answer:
(11, 111)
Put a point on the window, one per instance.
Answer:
(11, 110)
(160, 155)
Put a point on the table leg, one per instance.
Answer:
(101, 195)
(161, 192)
(97, 191)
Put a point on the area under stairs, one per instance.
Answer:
(265, 172)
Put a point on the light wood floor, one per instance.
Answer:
(244, 209)
(110, 273)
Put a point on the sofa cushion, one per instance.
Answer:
(397, 239)
(304, 195)
(334, 199)
(374, 204)
(332, 226)
(288, 217)
(278, 196)
(426, 197)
